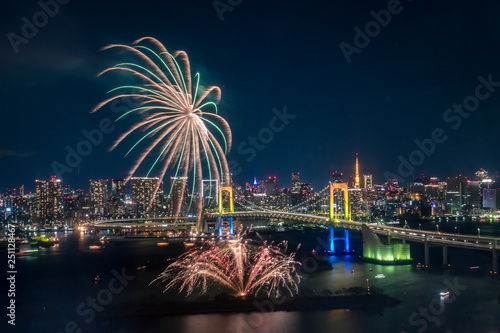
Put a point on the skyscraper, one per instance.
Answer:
(272, 188)
(475, 193)
(48, 200)
(455, 192)
(144, 198)
(41, 199)
(178, 195)
(367, 182)
(489, 198)
(98, 191)
(295, 190)
(337, 177)
(117, 206)
(305, 191)
(118, 190)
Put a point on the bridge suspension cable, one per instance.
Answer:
(301, 204)
(253, 207)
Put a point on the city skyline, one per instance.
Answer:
(148, 196)
(284, 180)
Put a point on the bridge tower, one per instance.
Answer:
(347, 213)
(225, 223)
(228, 189)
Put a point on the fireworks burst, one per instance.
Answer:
(235, 264)
(176, 116)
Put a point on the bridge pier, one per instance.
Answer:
(496, 248)
(445, 255)
(495, 261)
(345, 238)
(225, 226)
(426, 261)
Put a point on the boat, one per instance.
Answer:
(420, 266)
(25, 251)
(392, 222)
(24, 254)
(188, 244)
(444, 293)
(44, 241)
(94, 247)
(104, 239)
(162, 244)
(97, 278)
(17, 240)
(380, 276)
(474, 267)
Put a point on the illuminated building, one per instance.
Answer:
(69, 204)
(337, 177)
(98, 192)
(117, 201)
(355, 201)
(42, 196)
(351, 182)
(272, 186)
(178, 195)
(146, 195)
(475, 193)
(367, 182)
(305, 191)
(48, 200)
(486, 182)
(118, 190)
(455, 193)
(285, 198)
(295, 191)
(489, 198)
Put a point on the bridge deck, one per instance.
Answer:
(431, 237)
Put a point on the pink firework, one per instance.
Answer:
(235, 264)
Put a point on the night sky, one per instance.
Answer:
(264, 55)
